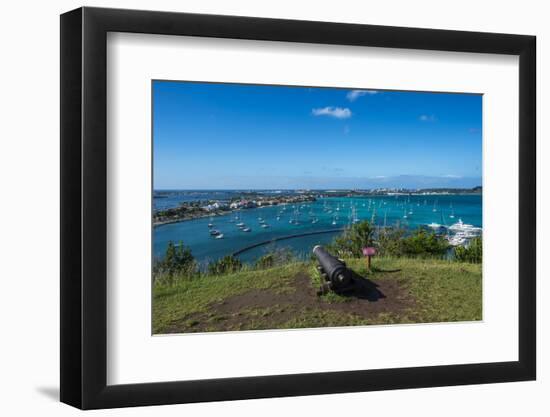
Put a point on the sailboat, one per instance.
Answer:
(452, 215)
(294, 218)
(373, 217)
(355, 217)
(435, 206)
(238, 218)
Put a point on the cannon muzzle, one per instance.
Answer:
(336, 274)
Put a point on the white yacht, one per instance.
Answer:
(469, 229)
(457, 239)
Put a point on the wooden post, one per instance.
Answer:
(369, 252)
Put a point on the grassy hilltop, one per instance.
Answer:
(281, 297)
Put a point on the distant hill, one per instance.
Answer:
(474, 190)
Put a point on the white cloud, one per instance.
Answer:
(337, 112)
(427, 118)
(451, 176)
(355, 94)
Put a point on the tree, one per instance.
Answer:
(390, 242)
(351, 243)
(177, 259)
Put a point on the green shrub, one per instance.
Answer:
(424, 244)
(350, 244)
(273, 258)
(473, 253)
(225, 265)
(266, 261)
(390, 242)
(419, 244)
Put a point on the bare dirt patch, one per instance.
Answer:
(269, 309)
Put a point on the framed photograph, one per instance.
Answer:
(256, 208)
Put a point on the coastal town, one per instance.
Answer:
(198, 209)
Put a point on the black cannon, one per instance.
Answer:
(336, 276)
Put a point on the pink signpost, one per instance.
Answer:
(369, 251)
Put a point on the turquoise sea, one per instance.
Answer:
(408, 211)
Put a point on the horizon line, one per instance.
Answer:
(316, 189)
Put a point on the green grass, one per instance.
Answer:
(186, 297)
(435, 291)
(443, 290)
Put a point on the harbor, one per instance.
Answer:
(251, 232)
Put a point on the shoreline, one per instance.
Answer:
(164, 222)
(199, 212)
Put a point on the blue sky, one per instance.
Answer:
(234, 136)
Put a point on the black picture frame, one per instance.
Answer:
(84, 207)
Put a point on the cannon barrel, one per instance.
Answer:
(336, 271)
